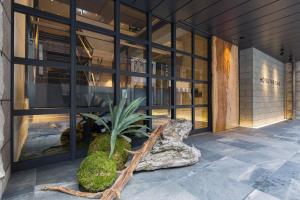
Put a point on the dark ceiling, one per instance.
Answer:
(269, 25)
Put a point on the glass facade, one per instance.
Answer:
(68, 59)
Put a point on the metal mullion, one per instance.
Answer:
(133, 39)
(162, 77)
(40, 111)
(95, 29)
(38, 13)
(201, 105)
(209, 71)
(184, 106)
(34, 62)
(73, 72)
(117, 89)
(95, 69)
(163, 107)
(184, 53)
(149, 66)
(161, 47)
(201, 82)
(193, 79)
(184, 79)
(200, 57)
(173, 70)
(136, 74)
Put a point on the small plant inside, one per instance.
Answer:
(110, 149)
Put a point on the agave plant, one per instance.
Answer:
(124, 120)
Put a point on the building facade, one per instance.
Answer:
(61, 58)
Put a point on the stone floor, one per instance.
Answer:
(250, 164)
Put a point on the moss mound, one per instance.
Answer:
(97, 172)
(102, 143)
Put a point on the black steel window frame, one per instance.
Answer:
(73, 68)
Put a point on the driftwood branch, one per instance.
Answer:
(115, 190)
(122, 180)
(73, 192)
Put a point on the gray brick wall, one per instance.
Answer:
(262, 101)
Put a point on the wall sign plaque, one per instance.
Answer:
(269, 81)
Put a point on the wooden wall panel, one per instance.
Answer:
(225, 85)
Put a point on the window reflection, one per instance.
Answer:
(38, 136)
(133, 87)
(183, 40)
(96, 12)
(133, 57)
(61, 7)
(46, 40)
(183, 66)
(201, 95)
(161, 92)
(93, 88)
(41, 87)
(161, 32)
(94, 49)
(161, 62)
(184, 113)
(133, 22)
(161, 117)
(201, 117)
(201, 69)
(201, 46)
(183, 93)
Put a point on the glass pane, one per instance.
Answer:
(201, 93)
(161, 92)
(161, 116)
(184, 113)
(183, 66)
(133, 57)
(133, 22)
(201, 117)
(161, 32)
(41, 87)
(19, 35)
(200, 70)
(94, 49)
(38, 136)
(183, 93)
(201, 46)
(93, 88)
(61, 7)
(161, 62)
(96, 12)
(46, 40)
(133, 87)
(183, 40)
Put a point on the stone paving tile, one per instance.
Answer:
(279, 184)
(259, 195)
(238, 164)
(63, 172)
(211, 185)
(21, 182)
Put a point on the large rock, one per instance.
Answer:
(170, 151)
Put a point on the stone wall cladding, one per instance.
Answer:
(268, 99)
(5, 96)
(297, 90)
(261, 103)
(246, 88)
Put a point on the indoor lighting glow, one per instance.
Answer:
(268, 124)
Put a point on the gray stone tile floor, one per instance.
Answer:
(238, 164)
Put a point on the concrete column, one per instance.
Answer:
(297, 90)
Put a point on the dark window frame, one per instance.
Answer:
(115, 71)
